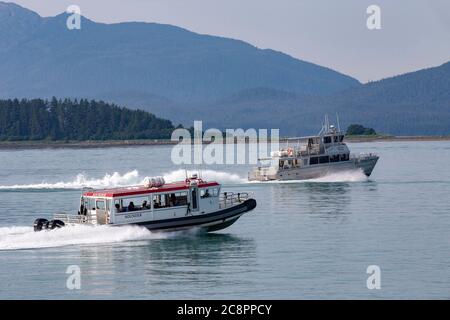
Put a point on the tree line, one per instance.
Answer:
(56, 119)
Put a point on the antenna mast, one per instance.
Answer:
(338, 124)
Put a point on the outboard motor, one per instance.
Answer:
(53, 224)
(40, 224)
(43, 224)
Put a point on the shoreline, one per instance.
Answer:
(18, 145)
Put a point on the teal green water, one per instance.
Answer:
(305, 240)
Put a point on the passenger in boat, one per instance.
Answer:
(131, 206)
(117, 210)
(144, 205)
(206, 195)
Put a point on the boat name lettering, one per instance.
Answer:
(133, 215)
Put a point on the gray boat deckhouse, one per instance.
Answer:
(313, 157)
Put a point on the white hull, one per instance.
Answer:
(317, 171)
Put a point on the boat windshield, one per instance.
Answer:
(265, 163)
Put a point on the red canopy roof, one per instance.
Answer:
(143, 190)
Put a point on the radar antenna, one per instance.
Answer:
(338, 124)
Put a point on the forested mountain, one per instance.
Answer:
(183, 76)
(77, 120)
(416, 103)
(40, 57)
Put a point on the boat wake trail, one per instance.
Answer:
(18, 237)
(82, 181)
(209, 175)
(133, 178)
(120, 180)
(344, 176)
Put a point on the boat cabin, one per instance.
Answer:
(154, 201)
(327, 147)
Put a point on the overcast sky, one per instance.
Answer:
(414, 34)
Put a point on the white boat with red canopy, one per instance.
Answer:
(158, 206)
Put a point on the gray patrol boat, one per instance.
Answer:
(312, 157)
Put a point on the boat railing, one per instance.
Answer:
(229, 199)
(75, 219)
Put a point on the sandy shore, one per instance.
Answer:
(5, 145)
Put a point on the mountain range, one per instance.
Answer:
(184, 76)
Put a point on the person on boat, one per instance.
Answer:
(131, 206)
(117, 210)
(144, 205)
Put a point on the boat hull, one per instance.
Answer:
(366, 164)
(206, 222)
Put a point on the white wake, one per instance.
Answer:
(208, 175)
(18, 237)
(343, 176)
(122, 180)
(134, 178)
(82, 181)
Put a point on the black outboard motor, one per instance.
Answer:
(40, 224)
(53, 224)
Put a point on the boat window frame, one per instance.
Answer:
(194, 197)
(335, 158)
(312, 163)
(102, 201)
(323, 157)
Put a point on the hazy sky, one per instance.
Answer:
(415, 33)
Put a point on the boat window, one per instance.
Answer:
(324, 159)
(265, 163)
(134, 204)
(341, 138)
(335, 139)
(177, 199)
(205, 193)
(92, 203)
(169, 200)
(281, 163)
(100, 205)
(181, 198)
(327, 139)
(118, 206)
(159, 201)
(344, 157)
(215, 192)
(313, 160)
(334, 158)
(305, 162)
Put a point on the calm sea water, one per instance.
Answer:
(305, 239)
